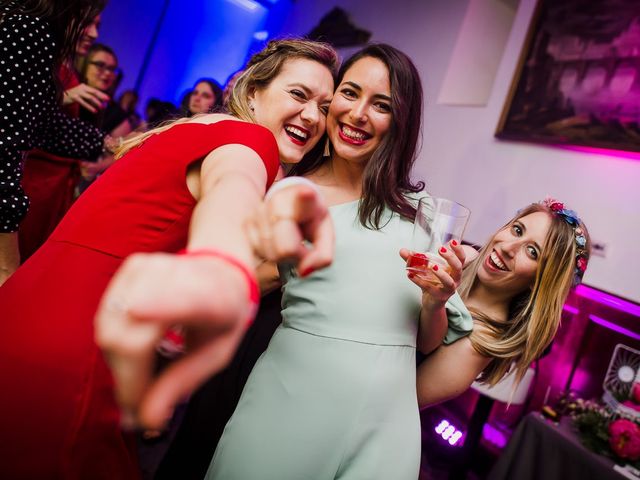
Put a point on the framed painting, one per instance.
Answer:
(578, 78)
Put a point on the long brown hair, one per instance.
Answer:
(534, 316)
(386, 179)
(262, 68)
(67, 20)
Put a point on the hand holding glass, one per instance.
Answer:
(437, 222)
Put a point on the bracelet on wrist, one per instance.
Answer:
(249, 275)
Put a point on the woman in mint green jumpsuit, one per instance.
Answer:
(334, 395)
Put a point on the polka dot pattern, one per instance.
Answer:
(29, 114)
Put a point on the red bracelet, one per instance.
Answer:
(250, 277)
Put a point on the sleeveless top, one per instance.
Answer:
(365, 295)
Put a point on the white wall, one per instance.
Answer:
(460, 158)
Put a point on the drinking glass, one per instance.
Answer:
(437, 222)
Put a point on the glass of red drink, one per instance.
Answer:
(437, 222)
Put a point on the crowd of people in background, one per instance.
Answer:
(87, 76)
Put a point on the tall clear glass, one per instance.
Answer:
(437, 222)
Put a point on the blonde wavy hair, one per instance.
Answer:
(534, 315)
(261, 69)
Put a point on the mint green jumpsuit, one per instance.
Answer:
(334, 395)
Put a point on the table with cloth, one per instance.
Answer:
(541, 449)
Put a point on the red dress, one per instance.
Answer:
(58, 417)
(49, 181)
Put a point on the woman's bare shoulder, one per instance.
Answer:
(210, 118)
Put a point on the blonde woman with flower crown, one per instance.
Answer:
(515, 289)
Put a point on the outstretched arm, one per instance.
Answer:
(207, 293)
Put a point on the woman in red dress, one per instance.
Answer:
(187, 185)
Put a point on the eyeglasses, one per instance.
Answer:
(104, 67)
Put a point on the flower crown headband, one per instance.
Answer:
(572, 219)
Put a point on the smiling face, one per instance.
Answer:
(294, 106)
(511, 261)
(360, 113)
(202, 98)
(88, 36)
(101, 71)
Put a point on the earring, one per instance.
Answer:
(327, 150)
(251, 106)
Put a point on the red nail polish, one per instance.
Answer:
(443, 250)
(411, 275)
(435, 268)
(307, 272)
(454, 243)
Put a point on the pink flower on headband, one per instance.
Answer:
(571, 217)
(553, 204)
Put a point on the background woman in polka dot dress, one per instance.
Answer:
(35, 37)
(50, 180)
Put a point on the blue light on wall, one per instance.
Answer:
(195, 38)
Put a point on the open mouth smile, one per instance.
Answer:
(353, 135)
(496, 262)
(298, 135)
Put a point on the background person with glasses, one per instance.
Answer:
(99, 70)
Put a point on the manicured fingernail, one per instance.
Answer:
(435, 268)
(443, 250)
(454, 243)
(307, 271)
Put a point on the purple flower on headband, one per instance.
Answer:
(581, 264)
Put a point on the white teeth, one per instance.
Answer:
(296, 131)
(496, 260)
(352, 133)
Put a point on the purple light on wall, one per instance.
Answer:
(614, 327)
(581, 380)
(571, 310)
(448, 432)
(602, 151)
(607, 299)
(494, 436)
